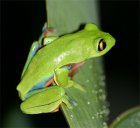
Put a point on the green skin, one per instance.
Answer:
(68, 49)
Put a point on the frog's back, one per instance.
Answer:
(60, 52)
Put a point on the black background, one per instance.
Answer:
(21, 24)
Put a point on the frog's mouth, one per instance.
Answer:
(73, 69)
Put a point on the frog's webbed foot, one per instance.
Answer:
(76, 85)
(70, 103)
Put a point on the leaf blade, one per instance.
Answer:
(66, 16)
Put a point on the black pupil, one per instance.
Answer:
(102, 45)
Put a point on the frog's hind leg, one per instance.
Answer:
(68, 102)
(57, 109)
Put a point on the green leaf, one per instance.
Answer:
(129, 119)
(66, 16)
(90, 111)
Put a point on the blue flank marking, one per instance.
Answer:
(41, 84)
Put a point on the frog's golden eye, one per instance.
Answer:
(101, 45)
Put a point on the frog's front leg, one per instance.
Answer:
(47, 100)
(61, 78)
(35, 46)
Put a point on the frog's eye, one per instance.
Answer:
(101, 45)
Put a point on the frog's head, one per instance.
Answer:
(102, 42)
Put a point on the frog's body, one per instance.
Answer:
(59, 54)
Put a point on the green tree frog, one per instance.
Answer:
(52, 64)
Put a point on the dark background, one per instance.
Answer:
(21, 24)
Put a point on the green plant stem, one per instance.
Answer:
(90, 111)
